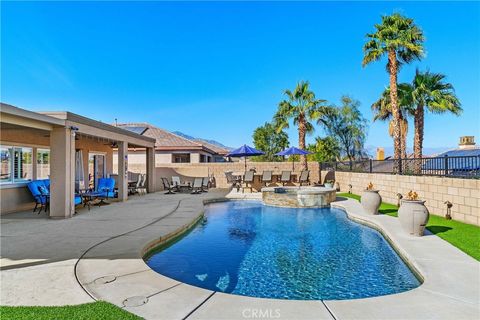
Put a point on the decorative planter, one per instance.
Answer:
(371, 201)
(328, 185)
(413, 216)
(337, 186)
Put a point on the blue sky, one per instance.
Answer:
(218, 70)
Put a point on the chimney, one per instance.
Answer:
(467, 142)
(380, 154)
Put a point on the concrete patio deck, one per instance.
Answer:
(41, 265)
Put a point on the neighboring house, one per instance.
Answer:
(172, 148)
(462, 161)
(221, 153)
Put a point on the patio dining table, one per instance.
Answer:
(184, 186)
(89, 196)
(274, 173)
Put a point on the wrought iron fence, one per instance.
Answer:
(454, 166)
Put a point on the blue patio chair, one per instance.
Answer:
(78, 199)
(106, 187)
(40, 190)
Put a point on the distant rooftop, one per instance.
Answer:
(454, 161)
(166, 140)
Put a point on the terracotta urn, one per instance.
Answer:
(337, 186)
(371, 201)
(413, 216)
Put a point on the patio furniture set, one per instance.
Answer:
(246, 179)
(197, 186)
(105, 189)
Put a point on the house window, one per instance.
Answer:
(22, 164)
(6, 164)
(43, 163)
(181, 158)
(16, 164)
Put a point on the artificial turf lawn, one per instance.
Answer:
(465, 237)
(95, 310)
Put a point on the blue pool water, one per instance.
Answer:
(245, 248)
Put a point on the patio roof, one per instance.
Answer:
(85, 126)
(17, 116)
(92, 127)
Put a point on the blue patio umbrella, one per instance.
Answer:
(292, 151)
(245, 151)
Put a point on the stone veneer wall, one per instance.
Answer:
(463, 193)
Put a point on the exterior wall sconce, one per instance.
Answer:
(448, 216)
(349, 188)
(399, 197)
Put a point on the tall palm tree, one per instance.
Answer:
(382, 110)
(302, 107)
(402, 41)
(430, 91)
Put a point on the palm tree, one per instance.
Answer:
(301, 106)
(382, 110)
(430, 91)
(402, 41)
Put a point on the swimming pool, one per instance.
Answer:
(246, 248)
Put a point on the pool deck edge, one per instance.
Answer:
(449, 290)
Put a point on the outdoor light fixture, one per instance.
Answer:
(448, 216)
(74, 130)
(399, 197)
(349, 188)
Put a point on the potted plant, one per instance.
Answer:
(329, 183)
(371, 200)
(413, 214)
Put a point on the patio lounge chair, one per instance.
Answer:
(248, 180)
(142, 189)
(40, 190)
(106, 187)
(167, 186)
(286, 177)
(205, 184)
(132, 189)
(231, 180)
(197, 185)
(176, 181)
(266, 177)
(304, 177)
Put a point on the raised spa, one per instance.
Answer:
(298, 197)
(246, 248)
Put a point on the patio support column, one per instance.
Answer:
(122, 171)
(62, 173)
(150, 170)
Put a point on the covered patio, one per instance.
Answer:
(47, 145)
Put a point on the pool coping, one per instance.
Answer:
(452, 292)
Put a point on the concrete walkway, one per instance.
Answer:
(41, 266)
(38, 255)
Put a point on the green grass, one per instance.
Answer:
(465, 237)
(95, 310)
